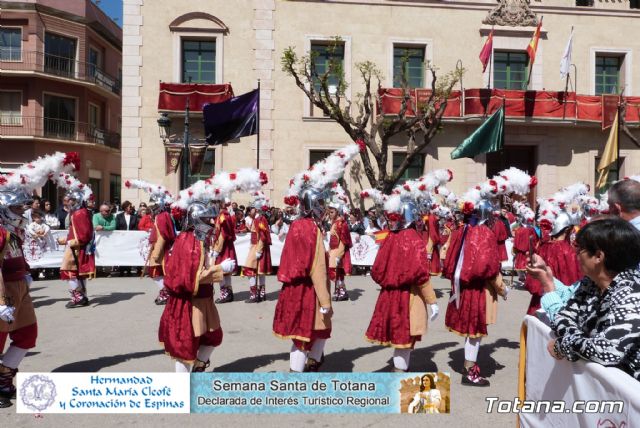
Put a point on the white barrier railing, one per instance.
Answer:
(545, 378)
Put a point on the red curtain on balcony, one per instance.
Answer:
(391, 99)
(173, 96)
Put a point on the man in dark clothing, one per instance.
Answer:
(62, 212)
(126, 220)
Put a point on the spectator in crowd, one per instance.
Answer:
(146, 220)
(91, 206)
(49, 216)
(234, 206)
(63, 213)
(38, 231)
(241, 226)
(371, 222)
(140, 207)
(126, 220)
(601, 321)
(279, 227)
(104, 220)
(35, 206)
(624, 201)
(355, 222)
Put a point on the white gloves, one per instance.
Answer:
(434, 311)
(324, 310)
(215, 254)
(338, 260)
(258, 255)
(6, 313)
(228, 265)
(506, 292)
(29, 279)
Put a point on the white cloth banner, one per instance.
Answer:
(131, 248)
(550, 379)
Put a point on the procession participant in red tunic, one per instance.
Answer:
(555, 248)
(303, 312)
(17, 315)
(400, 316)
(258, 263)
(190, 326)
(162, 234)
(339, 243)
(78, 262)
(521, 236)
(473, 266)
(224, 236)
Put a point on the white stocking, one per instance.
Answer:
(252, 281)
(13, 356)
(317, 349)
(74, 284)
(471, 348)
(401, 358)
(227, 281)
(204, 352)
(182, 367)
(297, 359)
(261, 280)
(159, 280)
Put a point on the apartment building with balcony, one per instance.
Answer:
(213, 41)
(60, 88)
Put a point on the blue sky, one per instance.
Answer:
(113, 8)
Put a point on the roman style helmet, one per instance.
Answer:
(308, 190)
(562, 209)
(199, 203)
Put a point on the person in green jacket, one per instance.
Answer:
(104, 220)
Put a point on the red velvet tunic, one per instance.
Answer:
(296, 310)
(183, 265)
(480, 264)
(225, 227)
(344, 237)
(399, 265)
(81, 229)
(521, 246)
(500, 230)
(563, 261)
(14, 265)
(435, 265)
(163, 226)
(260, 233)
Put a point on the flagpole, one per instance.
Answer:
(566, 85)
(490, 60)
(258, 128)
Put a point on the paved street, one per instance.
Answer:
(118, 333)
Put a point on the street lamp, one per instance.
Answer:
(164, 126)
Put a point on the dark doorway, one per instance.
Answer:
(521, 157)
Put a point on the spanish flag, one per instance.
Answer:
(533, 44)
(609, 155)
(380, 236)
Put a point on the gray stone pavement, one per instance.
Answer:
(118, 333)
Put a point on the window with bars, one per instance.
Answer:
(413, 171)
(10, 44)
(59, 117)
(510, 70)
(59, 55)
(198, 61)
(412, 57)
(608, 74)
(10, 108)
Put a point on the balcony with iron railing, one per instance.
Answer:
(16, 126)
(54, 65)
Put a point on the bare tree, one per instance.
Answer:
(361, 119)
(623, 124)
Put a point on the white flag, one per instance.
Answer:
(565, 63)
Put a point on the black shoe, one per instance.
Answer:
(5, 402)
(228, 298)
(81, 303)
(472, 377)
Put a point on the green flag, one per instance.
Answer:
(489, 137)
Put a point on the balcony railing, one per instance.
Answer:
(20, 60)
(58, 129)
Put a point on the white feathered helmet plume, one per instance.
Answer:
(158, 194)
(260, 201)
(308, 188)
(16, 187)
(339, 199)
(552, 212)
(524, 213)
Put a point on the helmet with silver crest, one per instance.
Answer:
(309, 190)
(159, 196)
